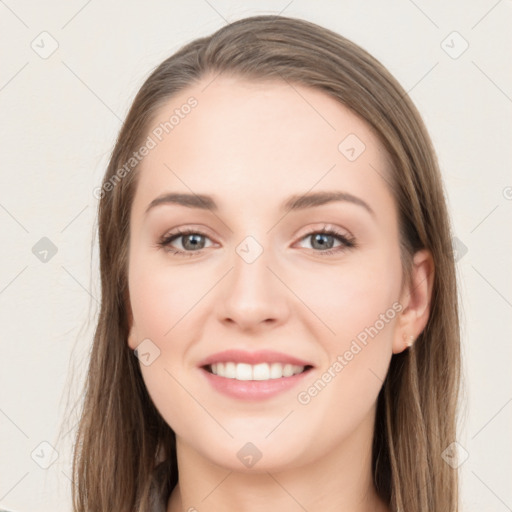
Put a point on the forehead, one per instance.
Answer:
(259, 140)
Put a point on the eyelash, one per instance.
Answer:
(347, 242)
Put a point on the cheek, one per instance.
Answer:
(161, 297)
(359, 305)
(352, 297)
(165, 303)
(162, 301)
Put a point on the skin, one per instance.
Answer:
(251, 145)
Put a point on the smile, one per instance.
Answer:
(258, 372)
(253, 375)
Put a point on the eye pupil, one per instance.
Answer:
(192, 238)
(318, 237)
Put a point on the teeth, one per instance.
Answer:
(243, 372)
(230, 370)
(262, 371)
(276, 370)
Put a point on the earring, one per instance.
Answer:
(411, 341)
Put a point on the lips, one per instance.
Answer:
(253, 375)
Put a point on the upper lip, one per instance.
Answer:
(260, 356)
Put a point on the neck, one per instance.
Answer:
(340, 480)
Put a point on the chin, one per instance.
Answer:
(244, 455)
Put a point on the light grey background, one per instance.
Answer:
(60, 115)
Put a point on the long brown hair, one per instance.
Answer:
(122, 441)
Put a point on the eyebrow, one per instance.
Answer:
(293, 203)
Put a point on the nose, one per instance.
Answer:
(253, 295)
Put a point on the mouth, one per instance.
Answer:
(247, 382)
(253, 375)
(256, 372)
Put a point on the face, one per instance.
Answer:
(262, 316)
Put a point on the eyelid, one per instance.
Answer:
(187, 229)
(326, 228)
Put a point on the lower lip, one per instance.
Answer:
(253, 389)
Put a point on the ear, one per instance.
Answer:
(132, 336)
(415, 298)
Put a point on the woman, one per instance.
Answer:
(279, 319)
